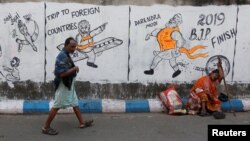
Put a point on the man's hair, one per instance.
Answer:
(67, 41)
(215, 71)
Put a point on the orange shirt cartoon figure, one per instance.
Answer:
(89, 48)
(171, 44)
(85, 40)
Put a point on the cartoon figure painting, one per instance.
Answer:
(86, 42)
(24, 33)
(29, 39)
(12, 72)
(87, 47)
(171, 44)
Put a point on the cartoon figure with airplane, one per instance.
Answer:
(87, 47)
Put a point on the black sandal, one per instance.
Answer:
(49, 131)
(87, 123)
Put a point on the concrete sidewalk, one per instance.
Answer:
(106, 106)
(117, 127)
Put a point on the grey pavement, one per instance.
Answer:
(115, 127)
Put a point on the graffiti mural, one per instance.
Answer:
(22, 39)
(23, 34)
(101, 39)
(124, 43)
(87, 47)
(171, 44)
(28, 34)
(28, 38)
(12, 73)
(179, 49)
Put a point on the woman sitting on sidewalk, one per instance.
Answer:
(204, 94)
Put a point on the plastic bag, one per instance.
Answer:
(172, 101)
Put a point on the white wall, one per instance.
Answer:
(142, 51)
(133, 55)
(242, 63)
(112, 63)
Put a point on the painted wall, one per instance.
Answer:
(129, 42)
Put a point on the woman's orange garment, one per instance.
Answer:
(206, 84)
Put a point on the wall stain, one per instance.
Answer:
(29, 90)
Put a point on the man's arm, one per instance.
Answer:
(69, 72)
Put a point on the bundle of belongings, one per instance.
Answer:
(172, 101)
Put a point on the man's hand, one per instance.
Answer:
(76, 69)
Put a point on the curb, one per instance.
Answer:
(106, 106)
